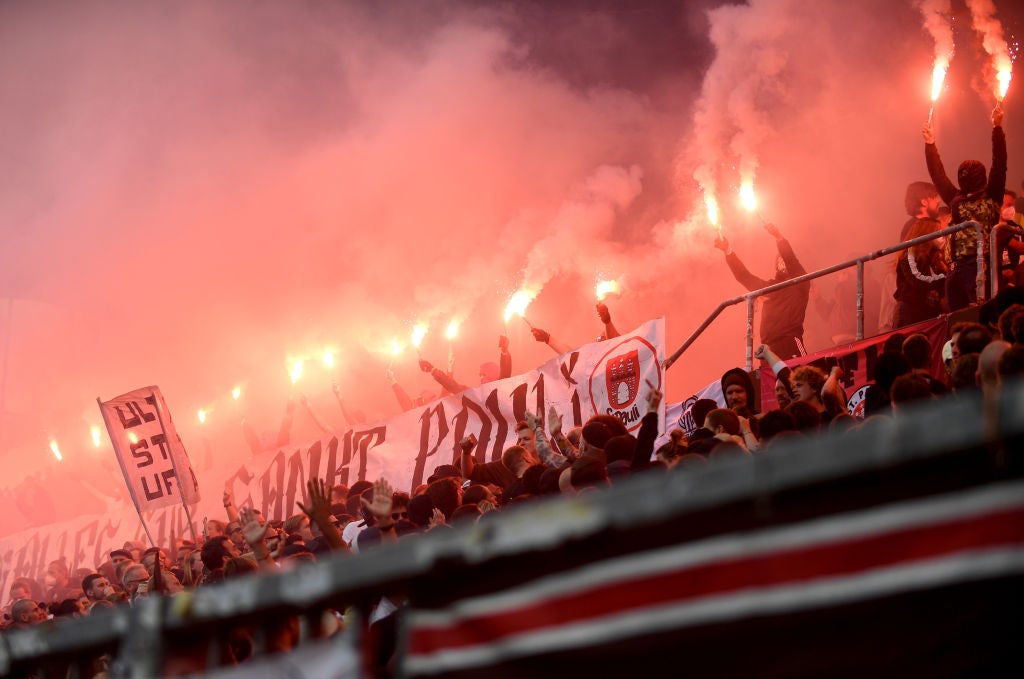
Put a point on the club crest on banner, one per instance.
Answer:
(619, 380)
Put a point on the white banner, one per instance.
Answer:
(608, 377)
(152, 458)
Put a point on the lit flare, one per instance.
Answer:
(604, 288)
(95, 432)
(419, 331)
(55, 449)
(712, 207)
(328, 358)
(236, 393)
(452, 331)
(295, 370)
(202, 416)
(938, 77)
(1003, 77)
(748, 199)
(517, 305)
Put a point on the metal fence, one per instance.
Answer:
(958, 442)
(858, 262)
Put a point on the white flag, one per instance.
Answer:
(152, 458)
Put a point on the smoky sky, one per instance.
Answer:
(193, 193)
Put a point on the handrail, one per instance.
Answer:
(858, 262)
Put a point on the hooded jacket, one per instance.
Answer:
(975, 199)
(740, 375)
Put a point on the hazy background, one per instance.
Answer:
(193, 193)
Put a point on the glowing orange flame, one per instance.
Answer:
(236, 393)
(295, 370)
(747, 197)
(712, 207)
(604, 288)
(202, 416)
(396, 347)
(452, 330)
(938, 76)
(56, 450)
(328, 358)
(419, 331)
(132, 437)
(517, 305)
(1003, 76)
(95, 432)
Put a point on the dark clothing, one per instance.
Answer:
(492, 472)
(699, 435)
(743, 377)
(1009, 248)
(782, 318)
(976, 201)
(918, 290)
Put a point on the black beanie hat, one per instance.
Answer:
(971, 176)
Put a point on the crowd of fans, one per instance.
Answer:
(547, 461)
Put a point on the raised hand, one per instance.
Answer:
(603, 313)
(252, 531)
(380, 506)
(722, 243)
(540, 335)
(426, 366)
(554, 421)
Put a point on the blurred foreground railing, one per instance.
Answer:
(950, 447)
(858, 262)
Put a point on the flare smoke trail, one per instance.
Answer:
(991, 30)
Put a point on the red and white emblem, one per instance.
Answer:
(618, 383)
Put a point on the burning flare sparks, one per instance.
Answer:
(236, 393)
(938, 77)
(605, 288)
(517, 305)
(95, 432)
(712, 207)
(419, 331)
(1003, 77)
(295, 370)
(328, 358)
(55, 449)
(202, 416)
(452, 331)
(747, 197)
(396, 347)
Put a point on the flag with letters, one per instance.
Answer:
(152, 457)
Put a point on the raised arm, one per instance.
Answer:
(793, 265)
(547, 456)
(504, 358)
(442, 378)
(404, 402)
(610, 330)
(545, 337)
(648, 431)
(997, 175)
(319, 512)
(739, 271)
(779, 368)
(380, 508)
(945, 187)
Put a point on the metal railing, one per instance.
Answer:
(750, 297)
(138, 637)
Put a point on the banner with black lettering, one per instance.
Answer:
(608, 378)
(152, 457)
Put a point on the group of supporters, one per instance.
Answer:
(545, 461)
(550, 461)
